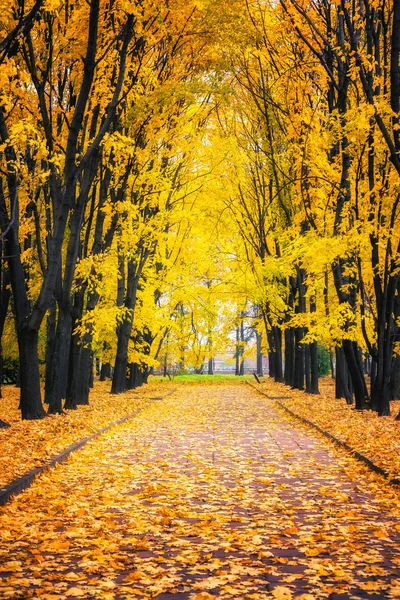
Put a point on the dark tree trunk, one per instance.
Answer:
(278, 364)
(314, 376)
(75, 352)
(381, 389)
(79, 382)
(307, 367)
(91, 373)
(50, 347)
(30, 403)
(242, 340)
(354, 364)
(237, 353)
(259, 355)
(395, 378)
(4, 302)
(80, 358)
(125, 328)
(289, 356)
(298, 290)
(388, 309)
(131, 380)
(165, 366)
(121, 360)
(271, 355)
(298, 383)
(312, 350)
(373, 374)
(60, 362)
(136, 376)
(342, 377)
(211, 366)
(85, 376)
(105, 371)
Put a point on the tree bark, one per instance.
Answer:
(259, 355)
(314, 375)
(125, 328)
(395, 378)
(210, 366)
(342, 378)
(298, 359)
(289, 356)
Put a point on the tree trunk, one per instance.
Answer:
(395, 378)
(307, 367)
(312, 352)
(50, 347)
(289, 356)
(105, 371)
(242, 343)
(314, 376)
(4, 302)
(91, 372)
(125, 328)
(278, 364)
(341, 380)
(354, 364)
(210, 366)
(298, 383)
(237, 353)
(121, 360)
(132, 379)
(259, 355)
(60, 363)
(271, 355)
(381, 389)
(31, 402)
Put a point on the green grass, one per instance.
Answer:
(205, 377)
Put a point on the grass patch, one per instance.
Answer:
(202, 378)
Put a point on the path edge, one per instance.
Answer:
(361, 457)
(25, 481)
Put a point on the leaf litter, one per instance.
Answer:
(29, 444)
(210, 493)
(377, 438)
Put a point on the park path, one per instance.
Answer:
(210, 493)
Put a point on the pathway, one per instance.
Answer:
(211, 493)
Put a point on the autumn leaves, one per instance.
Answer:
(210, 493)
(169, 170)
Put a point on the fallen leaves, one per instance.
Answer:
(375, 437)
(211, 494)
(29, 444)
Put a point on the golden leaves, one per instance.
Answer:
(75, 591)
(282, 593)
(364, 431)
(178, 502)
(28, 444)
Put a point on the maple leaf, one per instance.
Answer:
(282, 593)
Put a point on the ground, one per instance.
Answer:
(213, 492)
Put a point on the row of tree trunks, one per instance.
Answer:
(5, 294)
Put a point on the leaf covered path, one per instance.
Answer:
(211, 493)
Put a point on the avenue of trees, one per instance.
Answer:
(170, 170)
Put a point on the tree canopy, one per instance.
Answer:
(173, 170)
